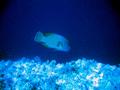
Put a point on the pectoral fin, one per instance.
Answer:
(59, 44)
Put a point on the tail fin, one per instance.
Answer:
(39, 36)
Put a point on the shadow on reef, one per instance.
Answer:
(3, 55)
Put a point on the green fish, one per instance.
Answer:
(52, 40)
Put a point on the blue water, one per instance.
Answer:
(91, 26)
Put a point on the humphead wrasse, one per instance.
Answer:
(52, 40)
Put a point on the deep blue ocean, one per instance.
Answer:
(91, 26)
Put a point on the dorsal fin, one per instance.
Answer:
(47, 34)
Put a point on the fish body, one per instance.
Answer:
(52, 40)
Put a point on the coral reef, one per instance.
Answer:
(81, 74)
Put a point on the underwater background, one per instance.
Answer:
(91, 26)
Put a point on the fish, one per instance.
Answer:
(52, 40)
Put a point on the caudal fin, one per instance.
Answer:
(38, 37)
